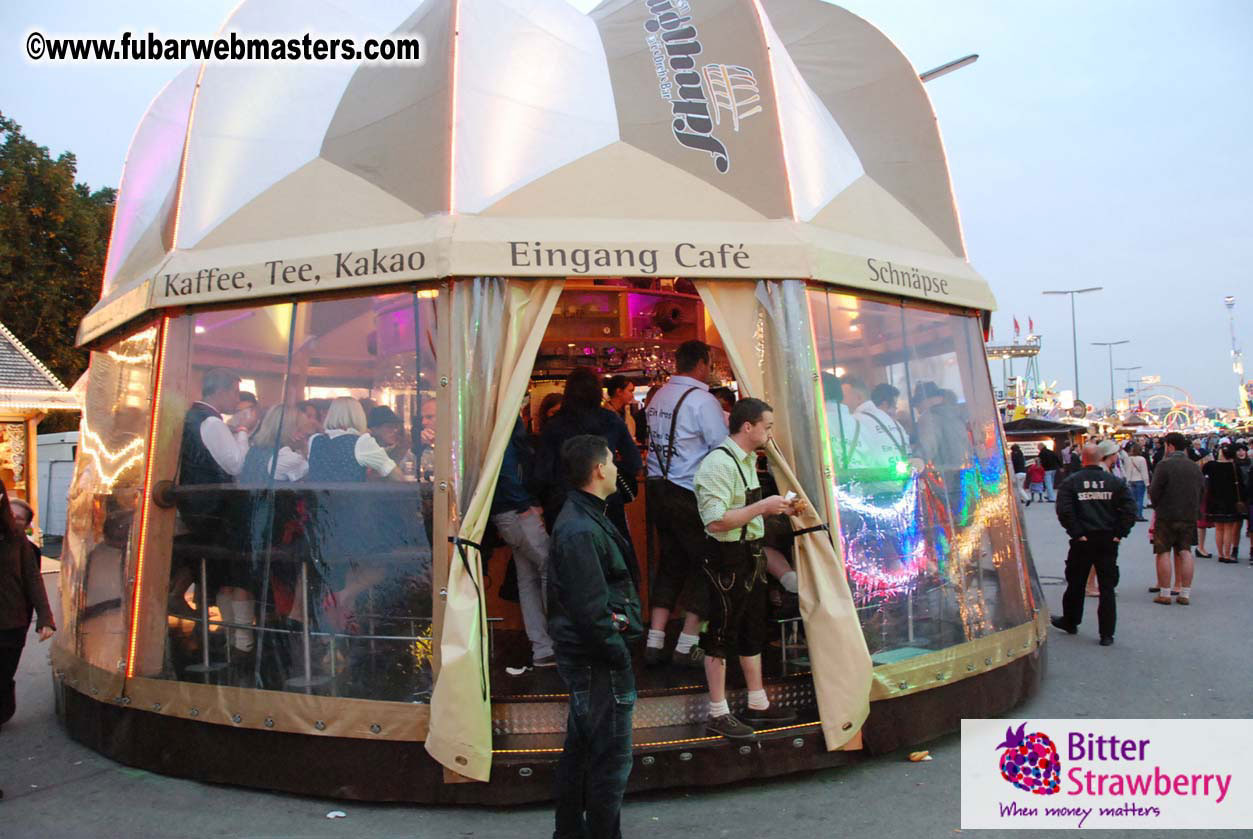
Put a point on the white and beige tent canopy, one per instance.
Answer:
(701, 138)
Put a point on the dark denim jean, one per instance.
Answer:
(596, 762)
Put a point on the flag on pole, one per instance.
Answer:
(1030, 326)
(1017, 328)
(991, 332)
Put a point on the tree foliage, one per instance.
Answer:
(54, 234)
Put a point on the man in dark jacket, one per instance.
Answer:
(593, 618)
(1051, 463)
(1176, 495)
(1097, 511)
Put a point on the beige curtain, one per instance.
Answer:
(497, 325)
(766, 332)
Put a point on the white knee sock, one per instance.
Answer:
(656, 639)
(1186, 591)
(757, 700)
(685, 643)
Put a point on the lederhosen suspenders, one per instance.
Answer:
(900, 444)
(751, 496)
(844, 445)
(674, 421)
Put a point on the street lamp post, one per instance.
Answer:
(945, 69)
(1074, 335)
(1110, 345)
(1128, 370)
(1237, 356)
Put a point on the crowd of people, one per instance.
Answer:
(1191, 486)
(235, 453)
(710, 515)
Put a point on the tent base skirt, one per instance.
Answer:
(388, 770)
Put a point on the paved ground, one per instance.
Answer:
(1168, 662)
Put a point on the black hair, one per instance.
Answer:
(689, 354)
(582, 393)
(747, 410)
(1177, 441)
(613, 384)
(855, 382)
(724, 395)
(831, 389)
(247, 396)
(884, 393)
(924, 391)
(581, 455)
(8, 524)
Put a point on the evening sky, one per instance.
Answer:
(1093, 144)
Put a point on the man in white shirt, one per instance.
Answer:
(685, 422)
(213, 453)
(885, 440)
(843, 428)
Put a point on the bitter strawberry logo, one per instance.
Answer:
(1030, 761)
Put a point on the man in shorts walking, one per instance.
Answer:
(1176, 495)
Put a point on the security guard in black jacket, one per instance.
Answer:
(1097, 511)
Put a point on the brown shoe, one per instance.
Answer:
(1182, 601)
(1165, 601)
(728, 726)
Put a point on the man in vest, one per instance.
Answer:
(684, 422)
(213, 453)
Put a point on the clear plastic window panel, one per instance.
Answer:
(926, 524)
(308, 523)
(104, 498)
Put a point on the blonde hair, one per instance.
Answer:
(278, 428)
(345, 414)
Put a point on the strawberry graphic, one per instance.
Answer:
(1030, 762)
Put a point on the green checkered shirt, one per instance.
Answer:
(719, 488)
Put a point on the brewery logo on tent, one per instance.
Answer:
(701, 100)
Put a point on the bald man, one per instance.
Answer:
(1097, 511)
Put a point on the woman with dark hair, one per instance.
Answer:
(548, 408)
(582, 412)
(21, 593)
(1223, 494)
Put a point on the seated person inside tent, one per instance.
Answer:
(212, 454)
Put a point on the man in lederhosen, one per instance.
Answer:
(728, 496)
(685, 421)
